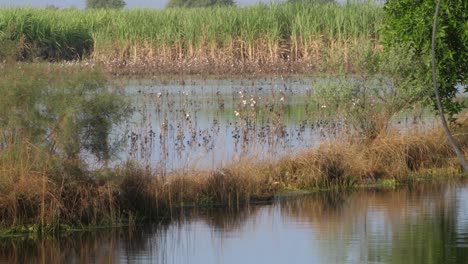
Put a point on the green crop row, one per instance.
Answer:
(73, 33)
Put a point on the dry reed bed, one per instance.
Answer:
(33, 192)
(342, 165)
(314, 56)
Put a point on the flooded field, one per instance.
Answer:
(427, 223)
(227, 216)
(199, 124)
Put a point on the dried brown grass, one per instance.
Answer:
(260, 56)
(34, 189)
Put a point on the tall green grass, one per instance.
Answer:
(261, 32)
(45, 33)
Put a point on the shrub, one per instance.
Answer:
(409, 22)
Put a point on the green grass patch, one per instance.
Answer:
(261, 32)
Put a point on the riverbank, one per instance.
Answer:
(47, 202)
(407, 222)
(50, 115)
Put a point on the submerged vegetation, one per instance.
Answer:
(62, 117)
(262, 38)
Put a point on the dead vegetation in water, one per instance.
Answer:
(43, 181)
(389, 156)
(33, 192)
(315, 55)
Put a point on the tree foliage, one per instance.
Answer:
(409, 22)
(66, 112)
(106, 4)
(360, 100)
(199, 3)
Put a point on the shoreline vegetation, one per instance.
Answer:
(46, 186)
(52, 113)
(276, 38)
(38, 199)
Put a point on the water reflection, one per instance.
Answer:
(423, 224)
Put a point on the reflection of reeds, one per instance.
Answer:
(371, 218)
(398, 222)
(110, 245)
(329, 211)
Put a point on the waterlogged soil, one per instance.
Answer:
(204, 124)
(123, 68)
(426, 223)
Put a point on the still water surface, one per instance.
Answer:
(199, 124)
(427, 224)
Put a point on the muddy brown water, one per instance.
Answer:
(427, 223)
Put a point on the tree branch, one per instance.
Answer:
(452, 141)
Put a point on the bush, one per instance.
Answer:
(64, 111)
(53, 119)
(409, 22)
(387, 84)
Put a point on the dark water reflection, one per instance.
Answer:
(424, 224)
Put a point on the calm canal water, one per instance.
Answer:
(423, 224)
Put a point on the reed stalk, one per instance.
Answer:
(260, 35)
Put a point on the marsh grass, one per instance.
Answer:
(320, 37)
(51, 115)
(390, 156)
(33, 192)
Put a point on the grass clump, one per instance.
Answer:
(51, 120)
(31, 34)
(389, 159)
